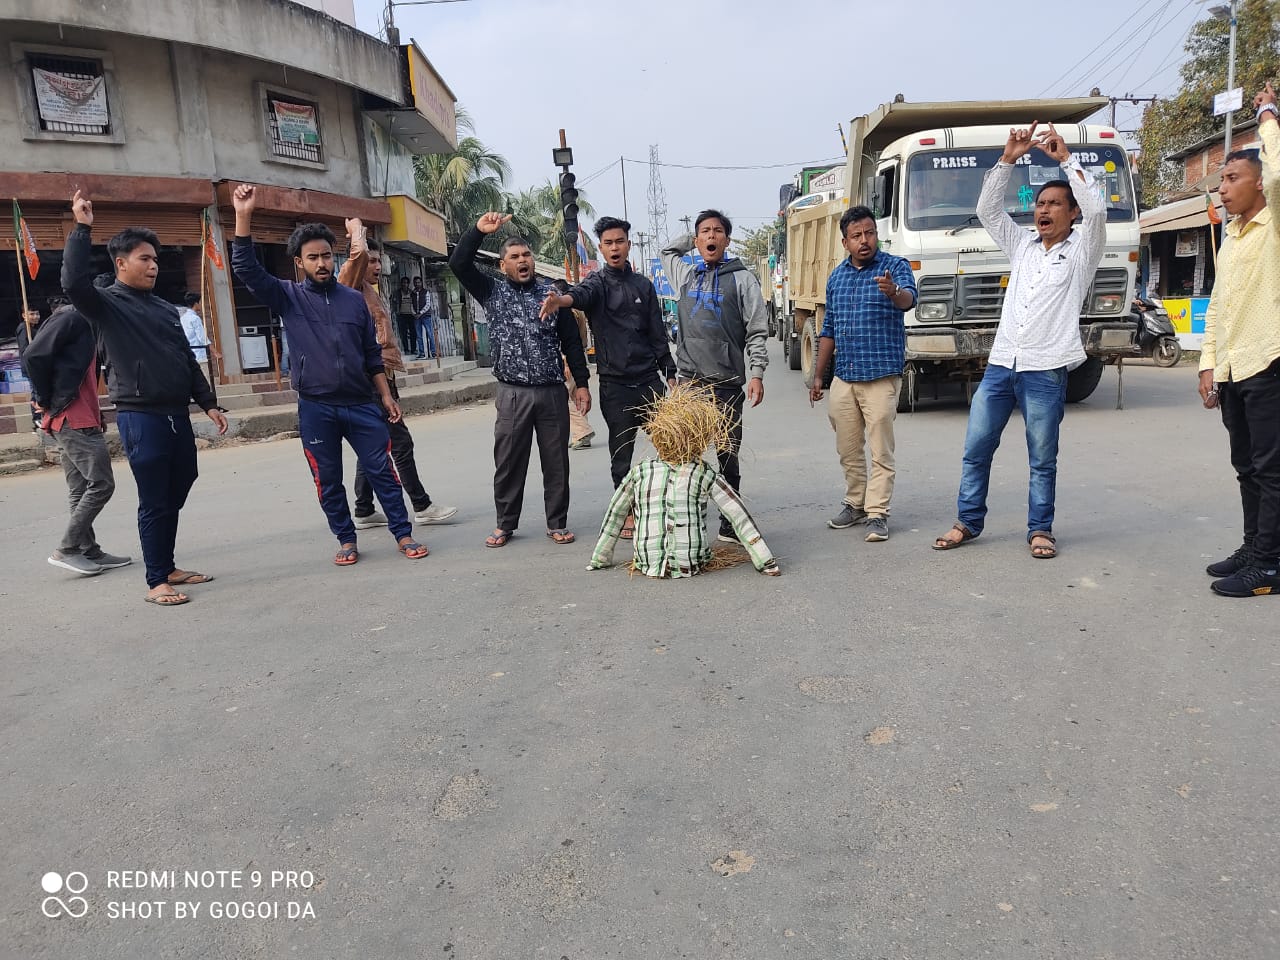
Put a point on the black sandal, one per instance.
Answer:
(1042, 552)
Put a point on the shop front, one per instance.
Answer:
(1180, 253)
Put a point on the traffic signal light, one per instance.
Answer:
(569, 204)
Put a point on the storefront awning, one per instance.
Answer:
(1184, 214)
(415, 227)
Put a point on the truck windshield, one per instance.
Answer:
(943, 185)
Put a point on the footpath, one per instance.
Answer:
(257, 411)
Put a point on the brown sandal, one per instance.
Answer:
(942, 543)
(561, 536)
(1042, 552)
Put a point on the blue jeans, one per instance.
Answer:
(426, 329)
(162, 455)
(1042, 397)
(323, 427)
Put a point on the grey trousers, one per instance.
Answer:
(522, 413)
(90, 484)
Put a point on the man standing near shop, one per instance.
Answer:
(1038, 339)
(63, 366)
(1240, 356)
(153, 379)
(406, 316)
(633, 358)
(724, 329)
(529, 368)
(424, 320)
(193, 326)
(863, 328)
(338, 367)
(361, 271)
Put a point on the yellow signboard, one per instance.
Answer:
(431, 97)
(414, 225)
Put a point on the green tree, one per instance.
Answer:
(1169, 125)
(760, 242)
(465, 183)
(537, 216)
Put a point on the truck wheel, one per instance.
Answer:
(792, 346)
(1168, 352)
(1083, 380)
(808, 351)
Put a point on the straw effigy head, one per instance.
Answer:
(685, 422)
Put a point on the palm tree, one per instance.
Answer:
(540, 206)
(463, 184)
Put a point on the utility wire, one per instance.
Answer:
(1128, 62)
(1168, 58)
(603, 170)
(1068, 72)
(741, 166)
(1112, 52)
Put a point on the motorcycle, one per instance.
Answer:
(1156, 337)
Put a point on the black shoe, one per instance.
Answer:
(726, 532)
(1249, 582)
(1233, 564)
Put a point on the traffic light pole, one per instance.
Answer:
(563, 158)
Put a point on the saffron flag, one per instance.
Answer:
(1214, 216)
(26, 242)
(211, 248)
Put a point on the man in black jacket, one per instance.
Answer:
(153, 378)
(632, 354)
(62, 363)
(530, 376)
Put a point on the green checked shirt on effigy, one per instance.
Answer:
(670, 507)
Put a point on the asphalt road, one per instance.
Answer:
(890, 752)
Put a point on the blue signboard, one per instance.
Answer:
(661, 284)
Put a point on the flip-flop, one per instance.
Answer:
(169, 599)
(628, 530)
(413, 550)
(189, 577)
(561, 536)
(346, 556)
(965, 536)
(499, 539)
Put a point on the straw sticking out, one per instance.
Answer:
(684, 423)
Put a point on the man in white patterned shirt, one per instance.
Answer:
(1038, 340)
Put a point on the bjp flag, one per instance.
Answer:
(25, 241)
(1214, 217)
(211, 248)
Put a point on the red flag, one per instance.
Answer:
(210, 248)
(25, 241)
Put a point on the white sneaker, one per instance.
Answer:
(435, 514)
(374, 519)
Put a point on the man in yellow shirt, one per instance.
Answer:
(1240, 357)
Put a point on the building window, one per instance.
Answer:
(293, 128)
(70, 94)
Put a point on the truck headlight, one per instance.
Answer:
(931, 311)
(1108, 303)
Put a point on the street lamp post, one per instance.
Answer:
(1228, 11)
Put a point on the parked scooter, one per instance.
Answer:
(1156, 337)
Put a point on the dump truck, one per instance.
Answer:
(919, 167)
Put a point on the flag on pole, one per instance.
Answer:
(1214, 217)
(26, 242)
(210, 248)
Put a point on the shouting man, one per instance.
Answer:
(337, 367)
(724, 329)
(530, 374)
(1038, 339)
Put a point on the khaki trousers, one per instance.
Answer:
(863, 414)
(579, 426)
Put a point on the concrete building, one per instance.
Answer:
(158, 108)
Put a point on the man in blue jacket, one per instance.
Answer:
(337, 366)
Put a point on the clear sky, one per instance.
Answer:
(760, 81)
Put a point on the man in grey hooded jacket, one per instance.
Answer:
(724, 328)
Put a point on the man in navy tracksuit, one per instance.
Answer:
(336, 367)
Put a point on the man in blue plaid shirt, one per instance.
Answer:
(863, 328)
